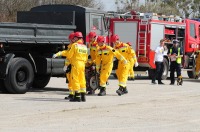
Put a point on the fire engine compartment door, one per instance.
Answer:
(127, 31)
(157, 33)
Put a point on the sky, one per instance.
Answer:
(109, 5)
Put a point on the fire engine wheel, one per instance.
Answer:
(20, 76)
(93, 83)
(41, 81)
(165, 69)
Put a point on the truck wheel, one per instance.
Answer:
(20, 76)
(93, 83)
(165, 69)
(41, 81)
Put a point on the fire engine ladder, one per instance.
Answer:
(142, 38)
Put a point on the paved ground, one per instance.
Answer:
(147, 108)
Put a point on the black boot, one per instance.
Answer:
(125, 91)
(83, 97)
(71, 96)
(77, 98)
(102, 91)
(120, 91)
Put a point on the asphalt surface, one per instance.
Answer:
(146, 108)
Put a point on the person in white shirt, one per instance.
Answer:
(159, 53)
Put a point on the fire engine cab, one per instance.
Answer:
(145, 32)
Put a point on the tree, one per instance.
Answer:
(9, 8)
(183, 8)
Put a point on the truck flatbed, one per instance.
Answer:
(35, 33)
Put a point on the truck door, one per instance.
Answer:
(192, 36)
(127, 30)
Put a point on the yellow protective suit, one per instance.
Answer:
(104, 62)
(133, 60)
(78, 57)
(93, 50)
(197, 64)
(67, 63)
(123, 69)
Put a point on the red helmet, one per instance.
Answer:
(114, 38)
(100, 39)
(71, 36)
(129, 43)
(78, 34)
(92, 35)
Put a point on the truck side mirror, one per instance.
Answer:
(195, 36)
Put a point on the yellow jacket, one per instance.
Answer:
(134, 57)
(77, 52)
(64, 53)
(93, 50)
(125, 50)
(105, 55)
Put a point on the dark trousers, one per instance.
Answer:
(174, 67)
(158, 72)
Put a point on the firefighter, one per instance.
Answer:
(133, 61)
(93, 45)
(77, 54)
(104, 62)
(78, 57)
(123, 68)
(175, 54)
(197, 60)
(67, 66)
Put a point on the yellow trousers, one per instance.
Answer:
(77, 78)
(105, 73)
(131, 71)
(122, 73)
(69, 82)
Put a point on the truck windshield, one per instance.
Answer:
(97, 23)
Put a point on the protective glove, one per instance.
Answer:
(54, 56)
(64, 68)
(125, 62)
(136, 64)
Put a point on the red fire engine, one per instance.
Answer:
(145, 33)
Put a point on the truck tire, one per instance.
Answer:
(41, 81)
(20, 76)
(165, 69)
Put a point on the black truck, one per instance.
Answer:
(27, 46)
